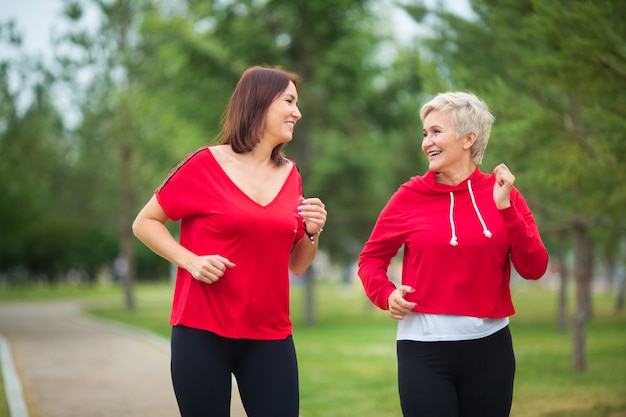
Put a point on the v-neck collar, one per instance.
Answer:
(235, 186)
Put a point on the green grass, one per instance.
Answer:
(545, 383)
(22, 292)
(348, 363)
(4, 406)
(347, 360)
(348, 366)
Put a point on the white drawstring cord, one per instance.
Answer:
(453, 241)
(486, 231)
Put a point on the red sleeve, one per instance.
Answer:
(528, 253)
(178, 194)
(386, 239)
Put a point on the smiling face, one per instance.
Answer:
(281, 116)
(446, 154)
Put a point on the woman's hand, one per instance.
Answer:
(314, 213)
(502, 187)
(398, 306)
(208, 268)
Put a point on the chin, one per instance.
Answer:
(433, 167)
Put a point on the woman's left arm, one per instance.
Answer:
(313, 211)
(528, 253)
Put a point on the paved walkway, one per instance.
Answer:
(70, 365)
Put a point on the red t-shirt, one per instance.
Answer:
(251, 300)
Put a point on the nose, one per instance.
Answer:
(296, 113)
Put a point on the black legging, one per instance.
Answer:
(266, 372)
(472, 378)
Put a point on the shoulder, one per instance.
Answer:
(195, 160)
(418, 185)
(193, 156)
(292, 172)
(221, 153)
(289, 165)
(188, 162)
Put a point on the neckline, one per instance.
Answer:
(475, 175)
(240, 191)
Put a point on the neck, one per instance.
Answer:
(457, 176)
(258, 156)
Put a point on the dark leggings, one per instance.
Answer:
(472, 378)
(202, 363)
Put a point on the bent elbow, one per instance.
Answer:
(136, 227)
(297, 271)
(537, 269)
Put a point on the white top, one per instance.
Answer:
(444, 327)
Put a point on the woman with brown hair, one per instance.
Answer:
(244, 226)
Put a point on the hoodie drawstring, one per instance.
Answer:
(486, 232)
(453, 240)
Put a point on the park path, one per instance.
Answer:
(70, 365)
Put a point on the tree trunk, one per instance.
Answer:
(123, 15)
(583, 260)
(564, 274)
(621, 290)
(127, 239)
(610, 262)
(127, 279)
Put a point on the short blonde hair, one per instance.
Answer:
(468, 114)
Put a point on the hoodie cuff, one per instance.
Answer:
(382, 300)
(510, 215)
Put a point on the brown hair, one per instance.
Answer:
(242, 121)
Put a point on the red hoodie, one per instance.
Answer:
(458, 247)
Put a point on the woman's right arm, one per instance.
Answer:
(386, 239)
(149, 227)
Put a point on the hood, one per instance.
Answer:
(426, 184)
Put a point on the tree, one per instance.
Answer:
(39, 237)
(116, 127)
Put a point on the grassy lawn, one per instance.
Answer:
(348, 365)
(4, 407)
(545, 383)
(348, 361)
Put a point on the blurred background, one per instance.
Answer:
(100, 98)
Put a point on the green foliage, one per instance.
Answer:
(53, 248)
(149, 84)
(37, 192)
